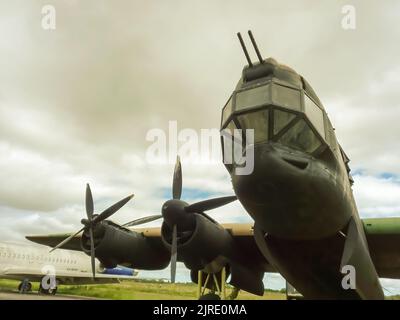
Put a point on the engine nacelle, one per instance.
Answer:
(208, 246)
(117, 245)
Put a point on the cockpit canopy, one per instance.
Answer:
(277, 111)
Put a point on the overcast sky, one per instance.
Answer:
(76, 102)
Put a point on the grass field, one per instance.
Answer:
(145, 290)
(140, 290)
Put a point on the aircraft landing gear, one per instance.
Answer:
(234, 293)
(218, 287)
(25, 286)
(210, 296)
(52, 290)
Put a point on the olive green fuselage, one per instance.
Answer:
(299, 191)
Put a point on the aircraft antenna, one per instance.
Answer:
(255, 47)
(244, 49)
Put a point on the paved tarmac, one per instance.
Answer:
(14, 295)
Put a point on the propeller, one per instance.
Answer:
(174, 253)
(92, 220)
(179, 216)
(142, 220)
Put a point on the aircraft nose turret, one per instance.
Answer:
(276, 169)
(289, 193)
(296, 182)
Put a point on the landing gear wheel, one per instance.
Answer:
(52, 291)
(24, 287)
(42, 290)
(210, 296)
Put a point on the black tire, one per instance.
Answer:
(210, 296)
(28, 287)
(52, 291)
(42, 290)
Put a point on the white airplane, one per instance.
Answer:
(35, 264)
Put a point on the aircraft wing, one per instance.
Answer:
(235, 229)
(241, 232)
(383, 236)
(64, 277)
(52, 240)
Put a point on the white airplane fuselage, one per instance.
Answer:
(22, 261)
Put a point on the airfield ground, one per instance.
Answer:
(14, 295)
(135, 290)
(128, 290)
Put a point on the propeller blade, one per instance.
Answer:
(209, 204)
(111, 210)
(174, 253)
(67, 240)
(208, 217)
(142, 220)
(89, 202)
(92, 255)
(177, 182)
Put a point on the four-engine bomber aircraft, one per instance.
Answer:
(306, 228)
